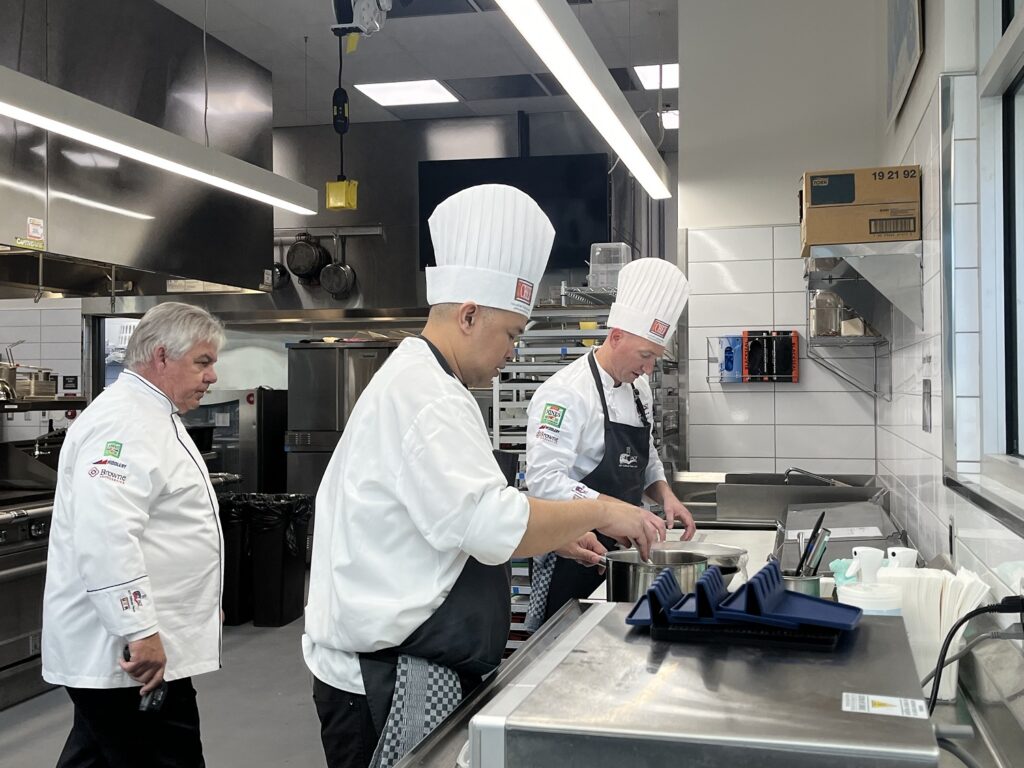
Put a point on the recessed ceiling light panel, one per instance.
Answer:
(407, 92)
(649, 76)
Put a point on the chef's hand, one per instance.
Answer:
(634, 526)
(147, 662)
(675, 510)
(586, 550)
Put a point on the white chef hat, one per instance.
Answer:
(649, 299)
(491, 243)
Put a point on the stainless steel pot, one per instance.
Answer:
(730, 560)
(629, 577)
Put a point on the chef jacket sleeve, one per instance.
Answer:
(655, 467)
(114, 482)
(452, 486)
(554, 433)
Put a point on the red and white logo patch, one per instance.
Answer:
(659, 328)
(524, 291)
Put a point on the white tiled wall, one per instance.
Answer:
(910, 460)
(752, 278)
(52, 332)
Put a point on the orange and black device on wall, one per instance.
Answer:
(771, 356)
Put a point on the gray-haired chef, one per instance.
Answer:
(409, 587)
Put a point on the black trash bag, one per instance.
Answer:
(277, 528)
(237, 598)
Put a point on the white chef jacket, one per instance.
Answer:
(135, 544)
(565, 430)
(411, 492)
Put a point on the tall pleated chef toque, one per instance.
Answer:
(491, 244)
(650, 297)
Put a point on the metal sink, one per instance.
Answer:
(763, 496)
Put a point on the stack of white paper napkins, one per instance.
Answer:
(933, 601)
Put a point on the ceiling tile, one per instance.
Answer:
(401, 9)
(503, 87)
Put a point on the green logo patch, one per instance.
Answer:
(113, 449)
(553, 414)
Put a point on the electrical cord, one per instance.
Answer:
(959, 753)
(1011, 604)
(1013, 633)
(341, 136)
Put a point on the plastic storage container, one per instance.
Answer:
(606, 260)
(874, 599)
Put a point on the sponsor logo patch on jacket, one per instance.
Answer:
(552, 414)
(524, 291)
(107, 474)
(110, 463)
(113, 448)
(132, 600)
(659, 328)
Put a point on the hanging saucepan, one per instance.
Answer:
(306, 257)
(338, 280)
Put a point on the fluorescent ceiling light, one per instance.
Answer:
(649, 76)
(407, 92)
(670, 119)
(556, 36)
(52, 109)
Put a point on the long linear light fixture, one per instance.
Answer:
(45, 106)
(558, 38)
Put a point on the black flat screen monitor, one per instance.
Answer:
(571, 189)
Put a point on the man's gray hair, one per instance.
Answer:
(174, 326)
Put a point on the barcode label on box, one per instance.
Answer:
(866, 704)
(892, 226)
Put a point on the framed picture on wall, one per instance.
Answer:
(905, 45)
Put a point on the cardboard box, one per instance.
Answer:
(861, 205)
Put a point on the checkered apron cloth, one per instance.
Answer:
(425, 694)
(543, 567)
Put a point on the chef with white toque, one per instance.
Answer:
(415, 523)
(589, 429)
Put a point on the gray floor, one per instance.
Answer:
(256, 711)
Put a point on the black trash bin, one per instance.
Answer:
(277, 526)
(234, 521)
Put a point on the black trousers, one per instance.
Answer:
(346, 726)
(109, 731)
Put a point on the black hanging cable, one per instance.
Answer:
(305, 77)
(341, 136)
(206, 73)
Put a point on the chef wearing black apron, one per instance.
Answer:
(620, 475)
(589, 427)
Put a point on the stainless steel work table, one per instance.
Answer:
(602, 694)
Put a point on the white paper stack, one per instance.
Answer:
(933, 601)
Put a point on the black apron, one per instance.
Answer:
(467, 633)
(620, 475)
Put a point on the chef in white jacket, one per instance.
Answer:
(589, 433)
(134, 568)
(415, 523)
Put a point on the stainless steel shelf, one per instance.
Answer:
(845, 341)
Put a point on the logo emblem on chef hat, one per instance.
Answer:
(659, 328)
(492, 244)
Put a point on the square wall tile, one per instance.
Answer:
(18, 317)
(732, 465)
(787, 242)
(791, 310)
(827, 442)
(730, 244)
(828, 467)
(965, 297)
(968, 429)
(733, 277)
(965, 107)
(63, 333)
(965, 171)
(965, 236)
(61, 317)
(968, 364)
(61, 350)
(732, 441)
(839, 408)
(732, 407)
(789, 276)
(745, 311)
(12, 333)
